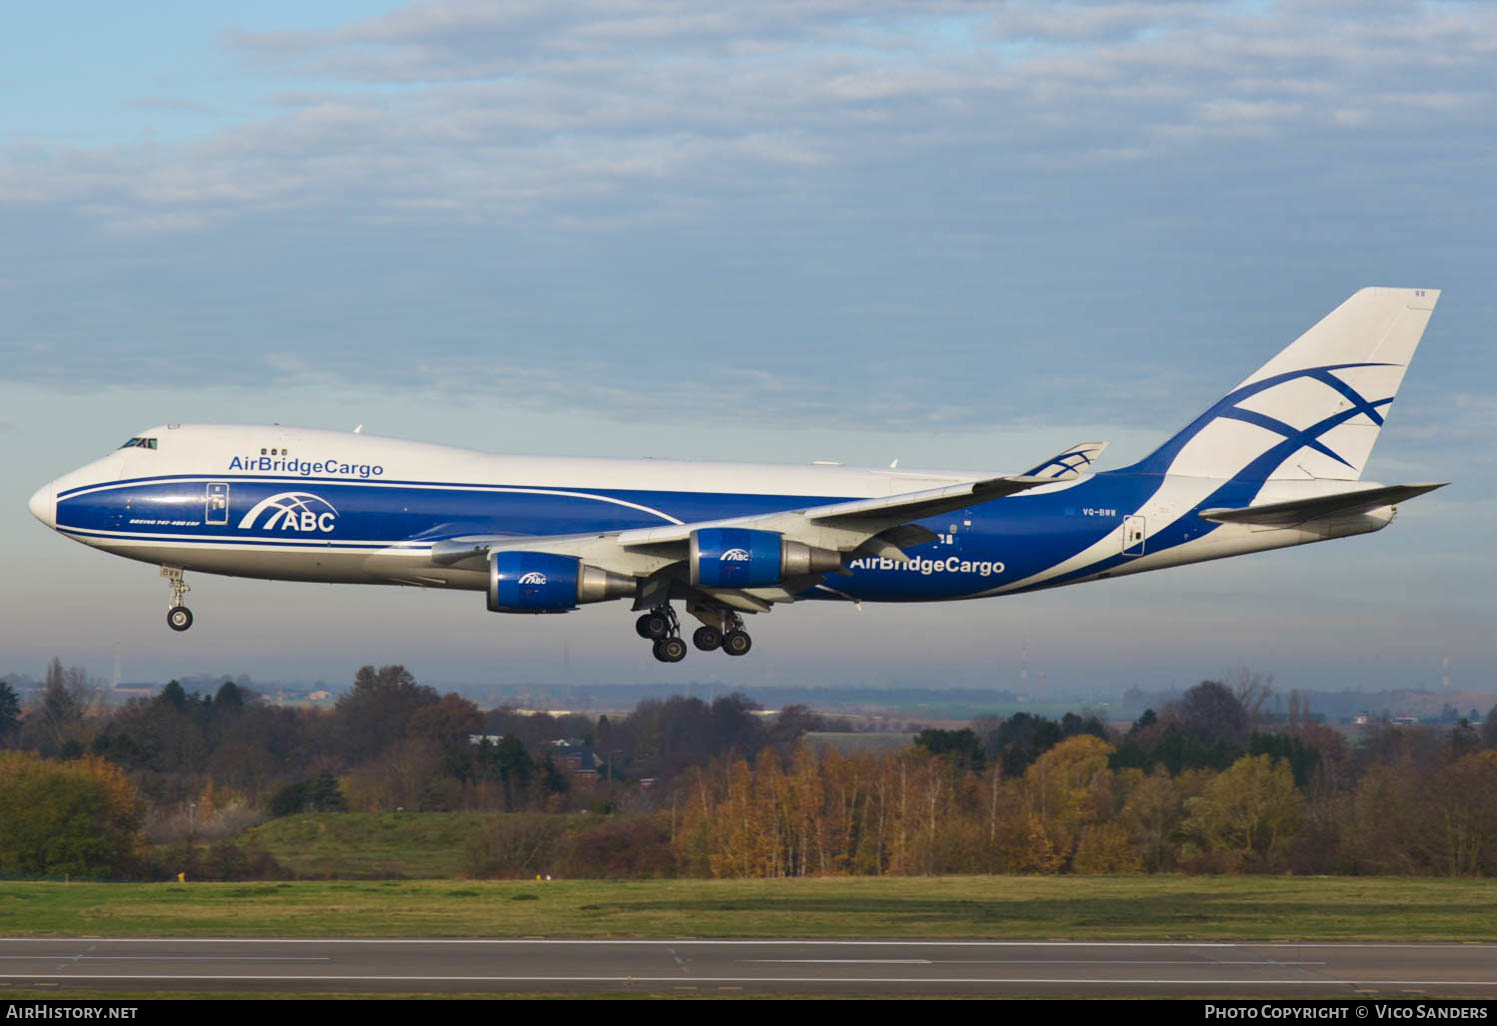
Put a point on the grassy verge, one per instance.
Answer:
(1093, 908)
(364, 845)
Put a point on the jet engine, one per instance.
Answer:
(544, 582)
(736, 557)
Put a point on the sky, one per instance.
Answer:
(960, 234)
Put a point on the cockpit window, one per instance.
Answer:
(140, 443)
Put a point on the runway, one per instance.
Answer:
(998, 968)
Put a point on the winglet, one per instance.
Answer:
(1070, 464)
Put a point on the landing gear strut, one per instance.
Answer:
(178, 616)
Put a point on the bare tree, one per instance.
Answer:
(67, 700)
(1253, 690)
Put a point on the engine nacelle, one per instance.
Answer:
(736, 557)
(544, 582)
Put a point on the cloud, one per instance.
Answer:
(491, 112)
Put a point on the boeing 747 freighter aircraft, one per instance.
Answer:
(1278, 461)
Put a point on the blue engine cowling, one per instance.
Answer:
(545, 582)
(737, 557)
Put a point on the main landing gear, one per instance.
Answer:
(661, 626)
(178, 616)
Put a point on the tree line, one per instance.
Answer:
(1205, 784)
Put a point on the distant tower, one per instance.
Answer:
(1445, 674)
(116, 683)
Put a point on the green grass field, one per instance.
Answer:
(1176, 908)
(370, 845)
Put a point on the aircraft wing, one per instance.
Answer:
(1298, 511)
(882, 526)
(848, 525)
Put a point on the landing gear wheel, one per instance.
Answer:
(670, 650)
(707, 638)
(737, 643)
(652, 625)
(179, 618)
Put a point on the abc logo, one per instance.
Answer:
(302, 512)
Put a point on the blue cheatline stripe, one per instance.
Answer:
(215, 541)
(435, 486)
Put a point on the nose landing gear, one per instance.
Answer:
(178, 616)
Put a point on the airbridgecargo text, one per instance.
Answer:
(926, 567)
(306, 468)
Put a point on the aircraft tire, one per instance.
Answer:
(707, 638)
(737, 643)
(179, 618)
(670, 650)
(652, 625)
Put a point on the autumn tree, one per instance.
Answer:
(1060, 795)
(1246, 812)
(80, 818)
(1462, 808)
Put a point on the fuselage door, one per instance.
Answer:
(217, 513)
(1133, 536)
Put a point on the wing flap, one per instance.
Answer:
(1297, 511)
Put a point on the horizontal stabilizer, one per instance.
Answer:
(1284, 514)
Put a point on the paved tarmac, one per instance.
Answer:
(1055, 968)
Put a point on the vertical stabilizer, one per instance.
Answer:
(1315, 410)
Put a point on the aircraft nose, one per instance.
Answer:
(44, 504)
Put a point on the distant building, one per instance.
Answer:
(574, 757)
